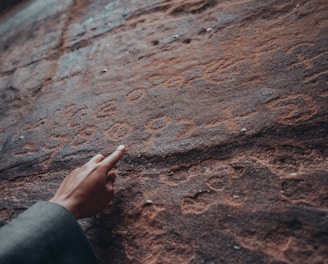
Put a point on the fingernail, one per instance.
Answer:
(121, 148)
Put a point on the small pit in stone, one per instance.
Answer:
(155, 42)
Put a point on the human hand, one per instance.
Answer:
(88, 189)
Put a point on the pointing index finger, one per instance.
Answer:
(112, 159)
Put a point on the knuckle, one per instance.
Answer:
(77, 170)
(100, 156)
(110, 188)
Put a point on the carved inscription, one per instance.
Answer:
(136, 95)
(174, 82)
(218, 182)
(307, 61)
(29, 148)
(119, 131)
(77, 119)
(158, 123)
(154, 125)
(323, 94)
(293, 109)
(83, 136)
(174, 179)
(55, 142)
(188, 127)
(198, 203)
(229, 121)
(315, 76)
(68, 127)
(297, 46)
(75, 125)
(35, 125)
(220, 72)
(105, 110)
(53, 146)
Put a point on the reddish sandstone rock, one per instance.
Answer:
(222, 106)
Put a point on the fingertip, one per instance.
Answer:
(111, 176)
(97, 158)
(110, 189)
(121, 148)
(112, 159)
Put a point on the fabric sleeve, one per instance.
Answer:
(45, 233)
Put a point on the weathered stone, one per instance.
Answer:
(32, 33)
(222, 106)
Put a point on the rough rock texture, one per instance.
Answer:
(222, 106)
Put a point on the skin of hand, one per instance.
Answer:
(88, 189)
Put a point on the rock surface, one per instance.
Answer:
(222, 106)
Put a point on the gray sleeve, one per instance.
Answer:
(45, 233)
